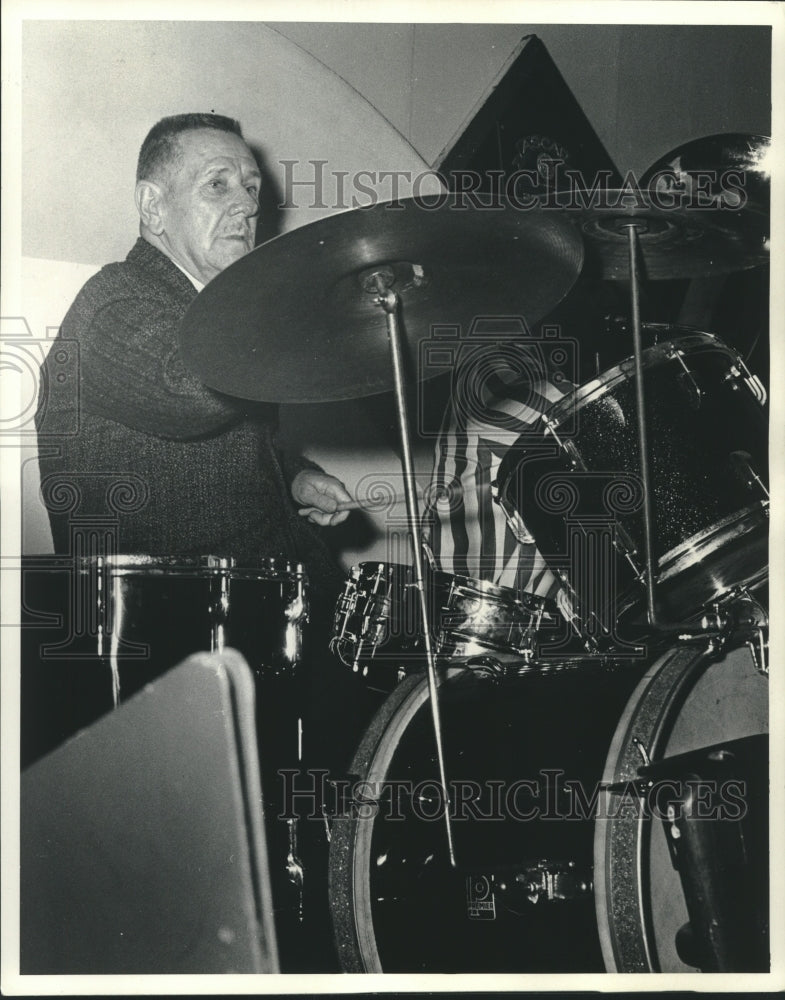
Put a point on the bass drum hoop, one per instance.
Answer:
(621, 850)
(350, 844)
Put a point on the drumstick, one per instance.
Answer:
(370, 504)
(367, 503)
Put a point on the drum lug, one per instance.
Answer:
(687, 380)
(219, 610)
(574, 456)
(521, 533)
(296, 615)
(294, 866)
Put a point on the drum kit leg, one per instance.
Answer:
(511, 809)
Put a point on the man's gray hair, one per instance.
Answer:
(161, 146)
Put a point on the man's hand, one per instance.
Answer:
(320, 495)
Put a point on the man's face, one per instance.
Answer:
(210, 202)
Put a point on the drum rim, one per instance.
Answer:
(668, 682)
(350, 905)
(130, 564)
(625, 371)
(507, 595)
(695, 548)
(676, 327)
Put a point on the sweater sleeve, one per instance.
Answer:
(132, 372)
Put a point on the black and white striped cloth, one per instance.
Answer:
(466, 530)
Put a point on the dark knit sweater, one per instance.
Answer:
(176, 468)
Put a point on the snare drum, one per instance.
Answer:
(480, 621)
(378, 623)
(582, 499)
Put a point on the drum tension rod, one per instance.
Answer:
(378, 282)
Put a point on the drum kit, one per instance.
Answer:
(645, 489)
(544, 790)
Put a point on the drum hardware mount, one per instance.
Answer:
(297, 614)
(539, 882)
(741, 371)
(542, 881)
(736, 615)
(748, 620)
(554, 881)
(742, 466)
(491, 669)
(758, 646)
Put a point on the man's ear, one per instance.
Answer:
(149, 198)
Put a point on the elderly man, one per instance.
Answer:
(181, 470)
(159, 464)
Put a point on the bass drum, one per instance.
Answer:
(523, 758)
(685, 702)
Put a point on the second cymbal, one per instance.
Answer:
(677, 237)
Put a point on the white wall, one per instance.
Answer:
(645, 88)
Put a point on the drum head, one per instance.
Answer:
(523, 760)
(685, 702)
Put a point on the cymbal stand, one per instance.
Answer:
(378, 281)
(714, 629)
(633, 227)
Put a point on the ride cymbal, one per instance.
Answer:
(296, 320)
